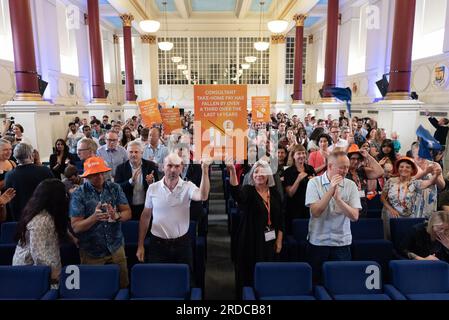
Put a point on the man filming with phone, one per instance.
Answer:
(97, 209)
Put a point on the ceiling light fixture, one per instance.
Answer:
(165, 45)
(251, 59)
(277, 25)
(261, 45)
(149, 25)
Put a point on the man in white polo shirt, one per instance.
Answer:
(168, 202)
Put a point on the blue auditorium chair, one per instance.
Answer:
(96, 282)
(24, 282)
(162, 281)
(375, 206)
(7, 242)
(7, 232)
(399, 227)
(297, 241)
(421, 280)
(368, 243)
(350, 280)
(199, 255)
(282, 281)
(130, 230)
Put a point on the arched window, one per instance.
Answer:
(67, 39)
(7, 51)
(357, 44)
(428, 36)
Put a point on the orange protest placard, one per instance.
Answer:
(260, 109)
(220, 126)
(171, 119)
(150, 112)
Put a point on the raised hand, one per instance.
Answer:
(7, 196)
(150, 177)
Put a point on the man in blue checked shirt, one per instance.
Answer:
(97, 209)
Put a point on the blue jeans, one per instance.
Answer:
(317, 255)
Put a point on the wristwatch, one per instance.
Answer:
(118, 215)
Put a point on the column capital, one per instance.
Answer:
(127, 19)
(115, 38)
(299, 19)
(277, 39)
(147, 38)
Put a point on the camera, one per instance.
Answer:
(12, 120)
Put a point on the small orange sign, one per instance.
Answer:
(260, 109)
(150, 112)
(171, 119)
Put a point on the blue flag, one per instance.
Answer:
(342, 94)
(426, 143)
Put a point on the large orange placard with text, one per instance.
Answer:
(150, 112)
(220, 124)
(171, 119)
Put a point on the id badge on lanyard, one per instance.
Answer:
(269, 234)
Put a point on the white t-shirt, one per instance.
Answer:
(171, 209)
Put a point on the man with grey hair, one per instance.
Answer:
(24, 179)
(112, 153)
(167, 202)
(134, 176)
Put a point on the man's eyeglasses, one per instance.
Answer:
(112, 140)
(83, 149)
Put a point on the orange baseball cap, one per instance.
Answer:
(94, 165)
(353, 148)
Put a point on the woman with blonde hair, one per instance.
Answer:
(5, 163)
(262, 223)
(428, 240)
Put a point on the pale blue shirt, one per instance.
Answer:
(113, 158)
(156, 155)
(332, 228)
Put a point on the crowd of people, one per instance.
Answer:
(103, 173)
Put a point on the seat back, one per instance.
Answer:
(352, 277)
(24, 282)
(416, 277)
(300, 229)
(7, 232)
(160, 281)
(95, 282)
(399, 228)
(282, 279)
(367, 229)
(130, 230)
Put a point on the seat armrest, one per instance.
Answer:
(248, 294)
(123, 294)
(393, 293)
(51, 294)
(321, 293)
(195, 294)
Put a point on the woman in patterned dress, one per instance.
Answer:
(400, 193)
(42, 227)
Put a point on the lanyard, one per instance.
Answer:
(267, 205)
(403, 202)
(356, 179)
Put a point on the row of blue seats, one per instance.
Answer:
(70, 256)
(351, 280)
(86, 282)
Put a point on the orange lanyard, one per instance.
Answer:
(268, 206)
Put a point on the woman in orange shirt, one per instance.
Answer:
(318, 159)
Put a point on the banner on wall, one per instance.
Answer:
(171, 119)
(260, 109)
(220, 126)
(150, 112)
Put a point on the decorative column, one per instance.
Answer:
(27, 86)
(297, 82)
(277, 73)
(330, 77)
(96, 58)
(129, 67)
(401, 53)
(150, 68)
